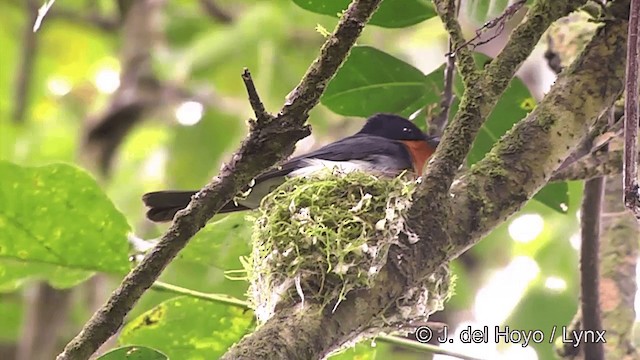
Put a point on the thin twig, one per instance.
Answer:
(497, 23)
(438, 122)
(482, 91)
(42, 12)
(254, 99)
(630, 176)
(216, 298)
(266, 144)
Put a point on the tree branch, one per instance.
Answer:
(589, 167)
(449, 15)
(262, 116)
(523, 161)
(481, 95)
(618, 262)
(438, 122)
(498, 23)
(589, 264)
(265, 145)
(631, 121)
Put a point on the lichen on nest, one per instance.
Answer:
(322, 236)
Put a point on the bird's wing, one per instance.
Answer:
(381, 152)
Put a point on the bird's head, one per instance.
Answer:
(396, 128)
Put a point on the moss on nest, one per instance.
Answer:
(320, 237)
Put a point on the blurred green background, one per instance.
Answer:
(154, 100)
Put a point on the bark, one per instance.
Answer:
(618, 261)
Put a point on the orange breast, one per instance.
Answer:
(420, 152)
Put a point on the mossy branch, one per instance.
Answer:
(267, 143)
(618, 262)
(466, 64)
(524, 160)
(523, 39)
(595, 165)
(483, 89)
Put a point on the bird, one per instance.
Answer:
(387, 144)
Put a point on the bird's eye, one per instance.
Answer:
(406, 130)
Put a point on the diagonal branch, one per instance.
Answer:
(522, 41)
(438, 122)
(262, 116)
(481, 95)
(589, 167)
(266, 144)
(524, 160)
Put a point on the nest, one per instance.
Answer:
(320, 237)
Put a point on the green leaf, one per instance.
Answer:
(221, 243)
(187, 328)
(391, 14)
(57, 224)
(134, 353)
(12, 310)
(372, 81)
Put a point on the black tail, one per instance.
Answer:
(163, 205)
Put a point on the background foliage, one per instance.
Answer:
(61, 224)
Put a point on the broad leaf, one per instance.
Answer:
(372, 81)
(221, 243)
(57, 224)
(134, 353)
(391, 14)
(187, 328)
